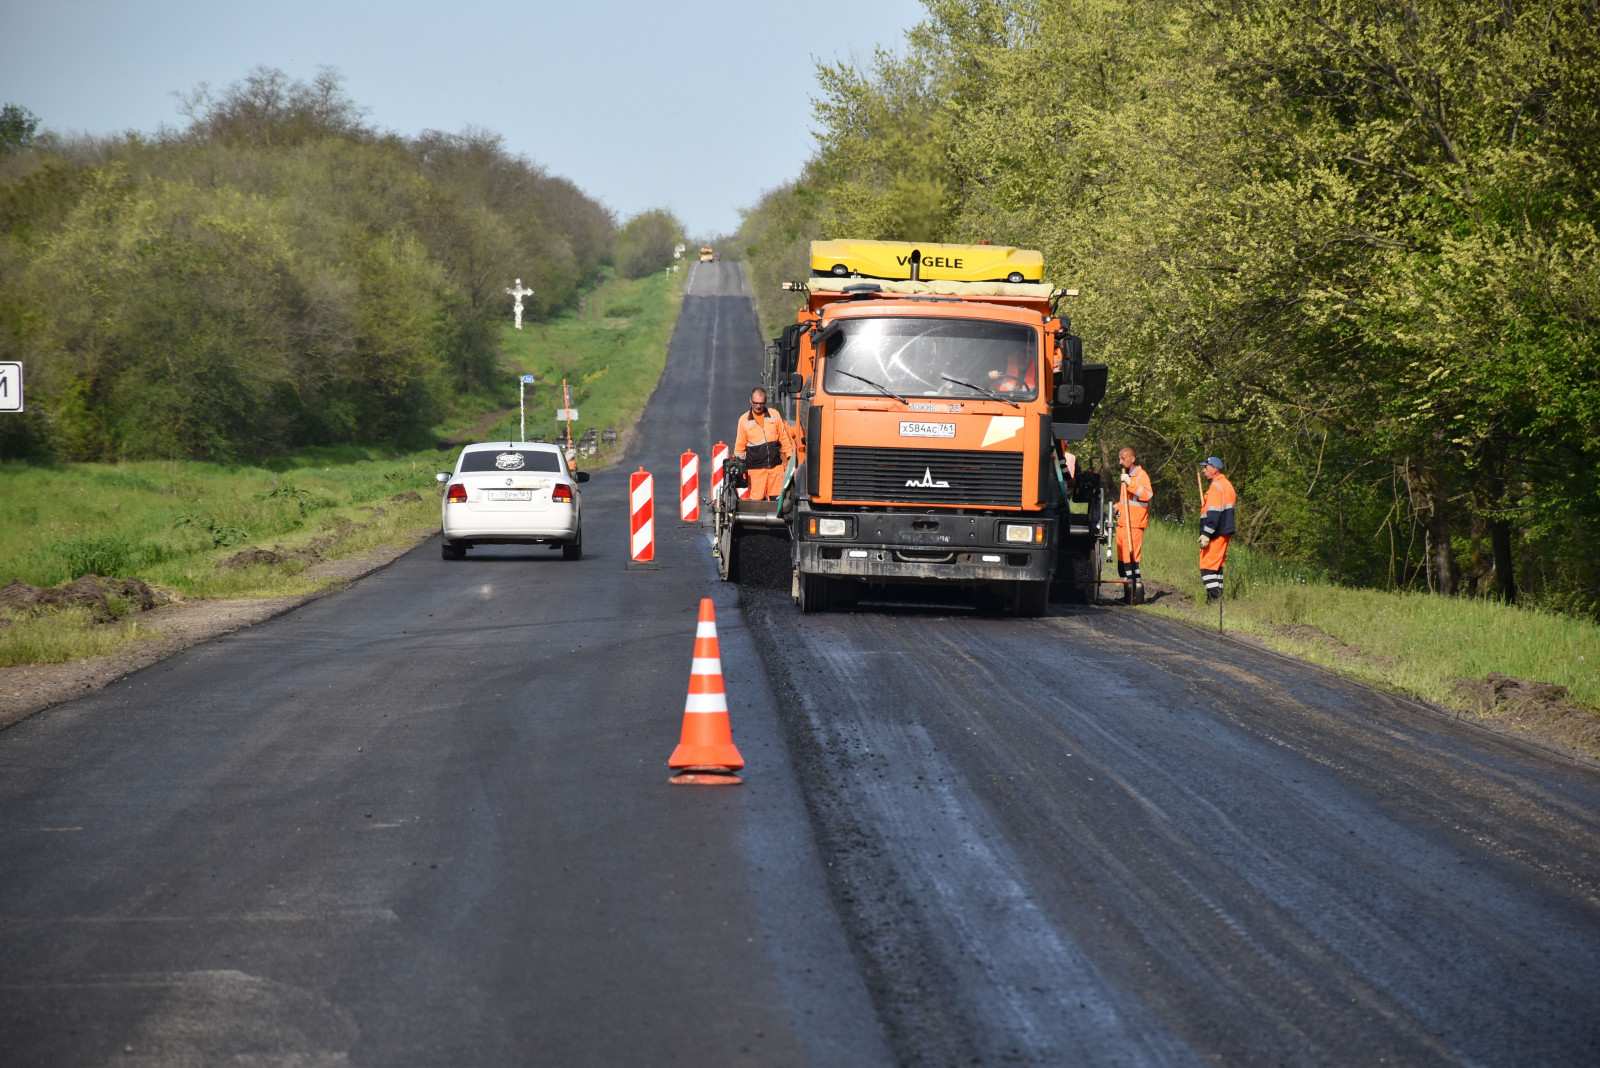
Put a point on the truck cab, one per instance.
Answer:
(931, 389)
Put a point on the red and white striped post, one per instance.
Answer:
(719, 457)
(642, 517)
(689, 487)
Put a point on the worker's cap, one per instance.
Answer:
(1213, 461)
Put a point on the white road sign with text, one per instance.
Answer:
(10, 387)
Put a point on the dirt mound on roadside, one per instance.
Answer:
(92, 592)
(411, 496)
(1539, 706)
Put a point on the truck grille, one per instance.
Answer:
(938, 476)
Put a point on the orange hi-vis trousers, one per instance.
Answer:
(1212, 557)
(1130, 549)
(766, 482)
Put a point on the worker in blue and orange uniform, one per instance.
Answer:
(763, 443)
(1133, 517)
(1216, 526)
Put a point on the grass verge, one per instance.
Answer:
(1431, 647)
(611, 350)
(203, 531)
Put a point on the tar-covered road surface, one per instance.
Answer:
(425, 821)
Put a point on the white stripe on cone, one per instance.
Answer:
(706, 702)
(641, 496)
(705, 630)
(705, 665)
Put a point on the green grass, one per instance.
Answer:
(171, 523)
(1418, 643)
(611, 351)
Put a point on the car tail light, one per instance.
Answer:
(562, 492)
(457, 494)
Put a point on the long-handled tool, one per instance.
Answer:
(1127, 535)
(1200, 485)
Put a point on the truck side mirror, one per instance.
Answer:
(1069, 394)
(794, 383)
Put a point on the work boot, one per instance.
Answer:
(1138, 593)
(1213, 596)
(1127, 591)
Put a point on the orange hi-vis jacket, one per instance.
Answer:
(1137, 494)
(762, 434)
(1216, 511)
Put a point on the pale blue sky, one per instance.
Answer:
(696, 105)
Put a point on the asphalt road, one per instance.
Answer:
(424, 821)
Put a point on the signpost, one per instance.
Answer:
(10, 387)
(522, 405)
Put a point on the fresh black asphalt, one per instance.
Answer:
(425, 821)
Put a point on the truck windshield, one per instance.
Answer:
(919, 357)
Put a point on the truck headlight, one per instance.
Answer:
(832, 527)
(1022, 533)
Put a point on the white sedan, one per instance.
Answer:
(512, 493)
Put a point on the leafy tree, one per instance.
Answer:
(645, 243)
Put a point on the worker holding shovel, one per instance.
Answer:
(1133, 505)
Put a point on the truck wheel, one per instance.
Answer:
(814, 593)
(1077, 579)
(1029, 599)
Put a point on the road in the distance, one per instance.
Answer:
(425, 821)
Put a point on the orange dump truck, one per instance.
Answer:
(933, 390)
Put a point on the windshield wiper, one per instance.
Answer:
(981, 389)
(879, 386)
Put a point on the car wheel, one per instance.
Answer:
(452, 552)
(573, 550)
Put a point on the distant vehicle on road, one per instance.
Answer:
(512, 493)
(707, 254)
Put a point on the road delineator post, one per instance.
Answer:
(706, 755)
(641, 518)
(689, 487)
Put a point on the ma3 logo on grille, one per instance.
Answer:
(927, 481)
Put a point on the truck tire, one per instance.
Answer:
(815, 593)
(1077, 572)
(1030, 599)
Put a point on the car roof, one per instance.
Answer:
(530, 446)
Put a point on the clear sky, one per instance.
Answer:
(695, 105)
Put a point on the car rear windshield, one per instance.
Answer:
(509, 460)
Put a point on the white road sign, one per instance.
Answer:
(10, 387)
(527, 380)
(566, 415)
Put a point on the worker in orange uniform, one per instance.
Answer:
(1134, 516)
(763, 443)
(1216, 526)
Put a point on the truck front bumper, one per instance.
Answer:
(927, 547)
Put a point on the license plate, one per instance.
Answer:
(510, 495)
(927, 430)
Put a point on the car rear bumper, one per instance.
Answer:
(487, 535)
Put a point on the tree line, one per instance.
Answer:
(274, 273)
(1349, 245)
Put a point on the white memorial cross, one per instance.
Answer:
(517, 293)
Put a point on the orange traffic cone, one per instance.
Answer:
(706, 754)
